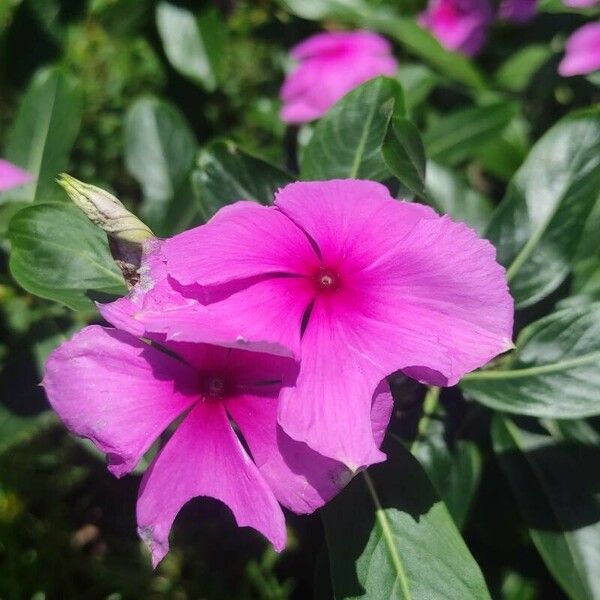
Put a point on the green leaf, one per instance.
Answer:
(516, 72)
(554, 372)
(347, 141)
(450, 194)
(226, 173)
(43, 132)
(459, 136)
(194, 46)
(417, 82)
(404, 155)
(555, 479)
(454, 471)
(537, 227)
(159, 152)
(58, 254)
(16, 429)
(391, 537)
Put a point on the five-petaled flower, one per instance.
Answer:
(354, 283)
(330, 65)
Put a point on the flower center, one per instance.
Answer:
(327, 280)
(214, 387)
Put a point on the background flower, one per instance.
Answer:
(582, 53)
(12, 176)
(330, 65)
(517, 11)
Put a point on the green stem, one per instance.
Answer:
(430, 404)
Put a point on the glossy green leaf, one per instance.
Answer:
(159, 152)
(516, 72)
(454, 471)
(43, 132)
(391, 537)
(347, 141)
(554, 372)
(538, 225)
(225, 173)
(459, 136)
(555, 479)
(404, 155)
(450, 194)
(193, 45)
(58, 254)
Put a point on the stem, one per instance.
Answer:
(430, 404)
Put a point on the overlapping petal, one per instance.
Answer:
(12, 176)
(205, 458)
(117, 391)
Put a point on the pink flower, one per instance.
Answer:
(355, 283)
(582, 54)
(122, 394)
(459, 25)
(12, 176)
(580, 3)
(517, 11)
(331, 65)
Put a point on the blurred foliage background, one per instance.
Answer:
(117, 98)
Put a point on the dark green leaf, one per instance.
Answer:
(347, 141)
(555, 479)
(449, 194)
(16, 429)
(226, 173)
(461, 135)
(403, 153)
(554, 372)
(43, 132)
(391, 537)
(194, 46)
(58, 254)
(159, 152)
(538, 225)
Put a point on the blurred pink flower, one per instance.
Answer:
(582, 55)
(459, 25)
(580, 3)
(517, 11)
(12, 176)
(355, 283)
(331, 65)
(122, 394)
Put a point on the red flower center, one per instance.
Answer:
(327, 280)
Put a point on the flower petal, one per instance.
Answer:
(302, 479)
(12, 176)
(117, 391)
(582, 51)
(205, 458)
(242, 240)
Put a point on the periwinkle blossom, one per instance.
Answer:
(356, 284)
(582, 51)
(459, 25)
(122, 393)
(517, 11)
(12, 176)
(330, 65)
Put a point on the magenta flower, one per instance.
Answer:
(459, 25)
(517, 11)
(580, 3)
(355, 283)
(582, 54)
(12, 176)
(331, 65)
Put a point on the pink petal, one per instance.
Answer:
(12, 176)
(580, 3)
(242, 240)
(205, 458)
(327, 42)
(301, 479)
(517, 11)
(117, 391)
(582, 51)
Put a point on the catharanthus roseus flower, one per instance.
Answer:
(517, 11)
(331, 65)
(355, 283)
(122, 393)
(12, 176)
(459, 25)
(582, 54)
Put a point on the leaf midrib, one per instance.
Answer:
(360, 149)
